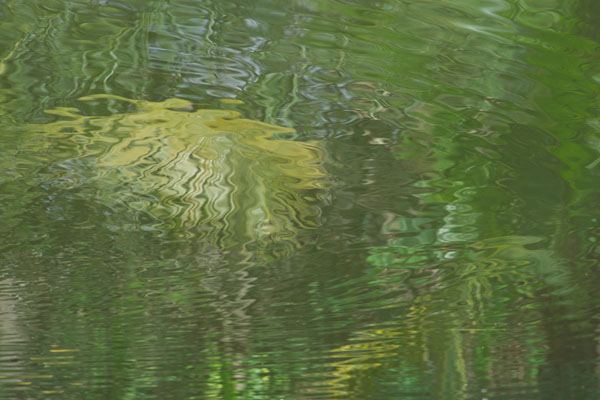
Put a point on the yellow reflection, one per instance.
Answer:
(63, 350)
(210, 169)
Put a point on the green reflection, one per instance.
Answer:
(206, 170)
(427, 229)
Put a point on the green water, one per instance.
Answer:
(304, 199)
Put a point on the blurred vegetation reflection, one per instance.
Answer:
(311, 199)
(205, 170)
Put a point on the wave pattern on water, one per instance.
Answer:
(207, 171)
(408, 208)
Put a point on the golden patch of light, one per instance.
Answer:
(208, 168)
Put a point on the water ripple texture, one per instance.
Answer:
(310, 199)
(207, 171)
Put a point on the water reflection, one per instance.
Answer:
(225, 178)
(408, 207)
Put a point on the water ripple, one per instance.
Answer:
(407, 209)
(196, 165)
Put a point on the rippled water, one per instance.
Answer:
(310, 199)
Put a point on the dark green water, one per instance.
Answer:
(302, 199)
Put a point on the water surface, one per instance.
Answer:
(311, 199)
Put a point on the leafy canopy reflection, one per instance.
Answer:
(205, 169)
